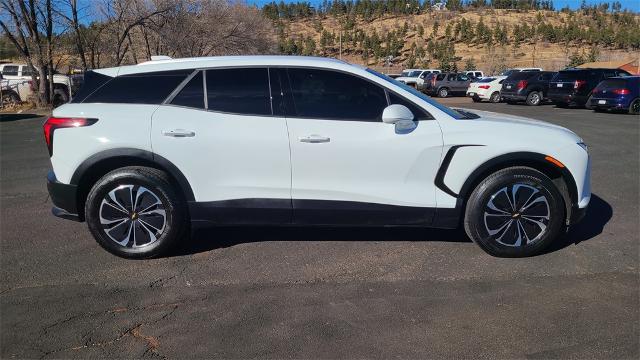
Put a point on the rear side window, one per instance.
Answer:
(192, 94)
(145, 88)
(240, 91)
(324, 94)
(418, 113)
(441, 77)
(570, 75)
(10, 71)
(92, 81)
(523, 75)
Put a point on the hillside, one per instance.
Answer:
(488, 39)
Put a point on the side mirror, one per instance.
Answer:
(401, 117)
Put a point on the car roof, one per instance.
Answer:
(228, 61)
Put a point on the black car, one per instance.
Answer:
(573, 87)
(530, 87)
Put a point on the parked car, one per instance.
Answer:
(515, 70)
(301, 140)
(486, 89)
(63, 86)
(476, 74)
(528, 86)
(573, 87)
(617, 93)
(415, 77)
(445, 84)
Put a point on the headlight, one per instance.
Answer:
(584, 146)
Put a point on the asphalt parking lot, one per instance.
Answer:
(324, 292)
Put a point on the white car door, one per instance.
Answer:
(347, 165)
(229, 146)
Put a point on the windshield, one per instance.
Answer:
(486, 80)
(454, 114)
(508, 72)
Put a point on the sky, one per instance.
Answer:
(633, 5)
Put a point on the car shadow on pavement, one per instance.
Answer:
(598, 215)
(15, 117)
(207, 239)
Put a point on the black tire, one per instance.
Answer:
(10, 97)
(481, 219)
(495, 97)
(634, 108)
(443, 92)
(60, 96)
(534, 98)
(476, 99)
(150, 187)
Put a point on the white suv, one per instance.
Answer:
(145, 151)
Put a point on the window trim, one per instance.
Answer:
(284, 90)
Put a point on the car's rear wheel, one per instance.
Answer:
(515, 212)
(634, 108)
(135, 212)
(443, 93)
(476, 99)
(495, 97)
(534, 98)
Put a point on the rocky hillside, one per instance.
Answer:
(484, 38)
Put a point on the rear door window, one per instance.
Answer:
(325, 94)
(192, 94)
(239, 91)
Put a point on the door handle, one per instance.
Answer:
(314, 139)
(178, 133)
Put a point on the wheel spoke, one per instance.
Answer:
(127, 226)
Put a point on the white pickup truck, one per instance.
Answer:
(17, 75)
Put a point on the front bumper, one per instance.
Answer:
(64, 198)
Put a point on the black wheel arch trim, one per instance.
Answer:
(509, 159)
(132, 153)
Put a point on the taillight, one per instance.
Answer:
(54, 123)
(621, 91)
(578, 84)
(483, 86)
(521, 84)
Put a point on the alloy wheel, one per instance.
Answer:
(517, 215)
(132, 216)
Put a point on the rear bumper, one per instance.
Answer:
(610, 103)
(64, 198)
(568, 99)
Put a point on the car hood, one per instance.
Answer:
(513, 121)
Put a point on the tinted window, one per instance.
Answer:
(570, 75)
(240, 91)
(451, 77)
(462, 77)
(26, 71)
(441, 77)
(10, 71)
(326, 94)
(486, 80)
(92, 81)
(418, 113)
(521, 75)
(192, 94)
(547, 76)
(146, 88)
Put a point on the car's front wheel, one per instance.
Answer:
(515, 212)
(135, 212)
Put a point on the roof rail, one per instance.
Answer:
(160, 57)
